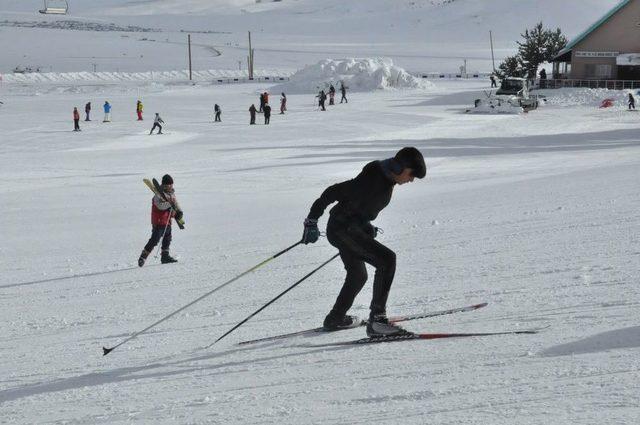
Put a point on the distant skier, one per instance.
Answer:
(332, 94)
(139, 108)
(76, 119)
(217, 111)
(252, 113)
(261, 102)
(283, 104)
(161, 214)
(156, 123)
(543, 78)
(267, 113)
(349, 229)
(632, 102)
(493, 81)
(322, 97)
(343, 91)
(87, 110)
(107, 111)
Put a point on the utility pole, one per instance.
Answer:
(250, 58)
(189, 42)
(493, 63)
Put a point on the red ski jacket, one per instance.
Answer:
(161, 212)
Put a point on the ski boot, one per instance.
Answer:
(379, 326)
(334, 322)
(143, 257)
(165, 258)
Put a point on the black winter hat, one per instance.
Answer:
(166, 179)
(412, 158)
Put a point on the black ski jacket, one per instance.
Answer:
(360, 199)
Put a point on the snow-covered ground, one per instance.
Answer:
(536, 214)
(419, 35)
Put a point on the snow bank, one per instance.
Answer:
(587, 97)
(359, 75)
(206, 75)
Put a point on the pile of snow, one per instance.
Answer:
(569, 97)
(359, 75)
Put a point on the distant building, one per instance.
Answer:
(607, 50)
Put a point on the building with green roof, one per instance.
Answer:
(607, 50)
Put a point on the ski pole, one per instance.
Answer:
(164, 233)
(273, 300)
(108, 350)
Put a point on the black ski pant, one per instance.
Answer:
(87, 119)
(344, 97)
(253, 119)
(267, 118)
(155, 124)
(157, 234)
(218, 117)
(357, 246)
(76, 124)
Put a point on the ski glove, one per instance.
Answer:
(311, 232)
(371, 230)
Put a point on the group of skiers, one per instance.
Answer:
(322, 96)
(265, 108)
(107, 116)
(349, 229)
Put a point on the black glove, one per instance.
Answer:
(179, 215)
(371, 230)
(311, 232)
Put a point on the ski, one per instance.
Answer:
(156, 189)
(395, 319)
(413, 336)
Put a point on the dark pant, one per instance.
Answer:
(217, 119)
(267, 118)
(155, 124)
(156, 235)
(253, 119)
(357, 246)
(76, 124)
(344, 98)
(87, 119)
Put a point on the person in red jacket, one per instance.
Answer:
(76, 119)
(161, 214)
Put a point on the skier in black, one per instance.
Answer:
(252, 114)
(267, 113)
(217, 111)
(343, 91)
(161, 214)
(321, 99)
(349, 229)
(632, 102)
(87, 110)
(261, 102)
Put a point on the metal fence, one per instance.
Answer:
(451, 76)
(591, 84)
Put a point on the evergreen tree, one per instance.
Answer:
(510, 67)
(539, 45)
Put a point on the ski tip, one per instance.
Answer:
(106, 350)
(481, 305)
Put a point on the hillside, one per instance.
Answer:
(419, 35)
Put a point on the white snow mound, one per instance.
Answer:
(358, 75)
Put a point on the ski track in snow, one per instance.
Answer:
(537, 214)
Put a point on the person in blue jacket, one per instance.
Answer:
(107, 111)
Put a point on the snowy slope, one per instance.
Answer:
(419, 35)
(536, 214)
